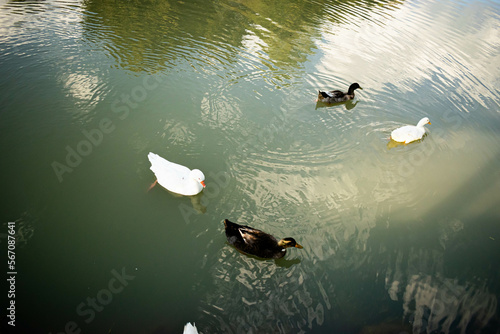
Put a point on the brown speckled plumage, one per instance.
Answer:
(256, 242)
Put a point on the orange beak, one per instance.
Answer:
(430, 123)
(203, 184)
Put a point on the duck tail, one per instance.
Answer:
(324, 94)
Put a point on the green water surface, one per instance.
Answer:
(396, 238)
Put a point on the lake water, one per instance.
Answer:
(396, 238)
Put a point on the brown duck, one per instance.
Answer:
(255, 242)
(337, 95)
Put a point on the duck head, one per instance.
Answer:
(198, 176)
(353, 87)
(423, 121)
(289, 242)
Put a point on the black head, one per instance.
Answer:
(289, 242)
(353, 87)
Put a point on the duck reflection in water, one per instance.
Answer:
(392, 143)
(282, 263)
(196, 201)
(349, 105)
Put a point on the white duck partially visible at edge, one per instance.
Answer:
(176, 178)
(407, 134)
(190, 329)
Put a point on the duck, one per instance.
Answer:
(176, 178)
(337, 95)
(255, 242)
(409, 133)
(190, 329)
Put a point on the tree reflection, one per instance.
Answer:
(153, 35)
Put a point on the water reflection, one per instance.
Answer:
(378, 226)
(436, 304)
(197, 203)
(226, 33)
(249, 296)
(349, 105)
(392, 143)
(424, 44)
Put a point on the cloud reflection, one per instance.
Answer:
(414, 45)
(443, 305)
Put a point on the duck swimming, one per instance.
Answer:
(176, 178)
(255, 242)
(337, 95)
(409, 133)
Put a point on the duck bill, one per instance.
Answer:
(298, 246)
(430, 123)
(203, 184)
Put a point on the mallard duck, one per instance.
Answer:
(408, 133)
(190, 329)
(255, 242)
(338, 96)
(176, 178)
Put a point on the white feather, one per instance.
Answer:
(176, 178)
(407, 134)
(190, 329)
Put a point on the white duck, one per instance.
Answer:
(176, 178)
(190, 329)
(407, 134)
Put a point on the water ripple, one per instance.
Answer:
(238, 84)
